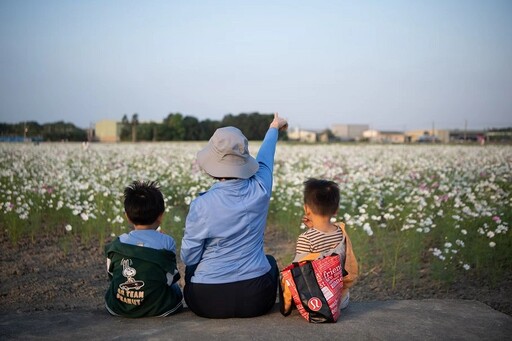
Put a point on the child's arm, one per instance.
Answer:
(351, 265)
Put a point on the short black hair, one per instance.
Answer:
(143, 202)
(322, 196)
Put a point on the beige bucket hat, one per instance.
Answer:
(227, 155)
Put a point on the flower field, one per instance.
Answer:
(432, 210)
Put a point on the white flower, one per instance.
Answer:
(463, 231)
(68, 227)
(466, 267)
(177, 219)
(368, 229)
(501, 229)
(84, 216)
(436, 252)
(490, 234)
(389, 216)
(492, 244)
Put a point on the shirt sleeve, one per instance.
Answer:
(171, 244)
(192, 244)
(303, 244)
(265, 157)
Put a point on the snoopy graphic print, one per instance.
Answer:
(130, 291)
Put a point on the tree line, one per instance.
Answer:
(57, 131)
(175, 127)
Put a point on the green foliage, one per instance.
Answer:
(175, 127)
(125, 133)
(57, 131)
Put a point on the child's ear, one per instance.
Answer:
(307, 210)
(160, 218)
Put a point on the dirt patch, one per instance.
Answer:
(66, 272)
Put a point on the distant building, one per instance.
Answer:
(446, 136)
(427, 136)
(466, 135)
(324, 137)
(108, 131)
(349, 132)
(300, 135)
(384, 136)
(499, 136)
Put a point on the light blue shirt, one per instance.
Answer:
(149, 238)
(225, 225)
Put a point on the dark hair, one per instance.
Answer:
(143, 202)
(322, 196)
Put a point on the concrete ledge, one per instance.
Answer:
(382, 320)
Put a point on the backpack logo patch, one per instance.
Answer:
(314, 304)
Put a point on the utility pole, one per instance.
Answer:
(90, 132)
(465, 129)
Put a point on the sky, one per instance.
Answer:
(394, 65)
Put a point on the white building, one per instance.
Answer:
(349, 131)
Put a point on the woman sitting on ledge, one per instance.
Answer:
(227, 273)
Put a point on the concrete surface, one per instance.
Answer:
(381, 320)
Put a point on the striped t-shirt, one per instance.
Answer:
(314, 240)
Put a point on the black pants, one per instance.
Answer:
(249, 298)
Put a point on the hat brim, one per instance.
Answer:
(210, 163)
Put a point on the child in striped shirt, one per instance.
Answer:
(321, 202)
